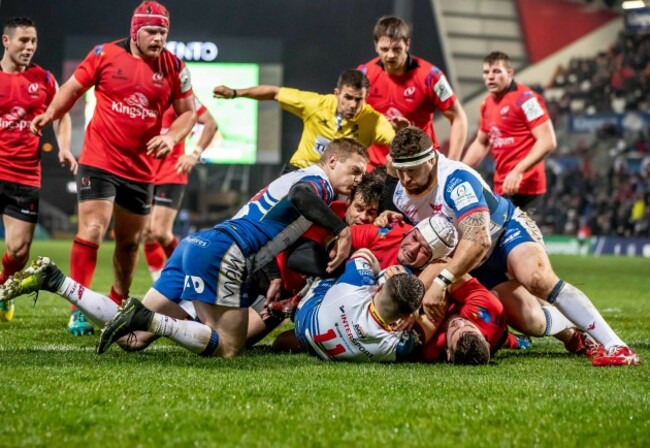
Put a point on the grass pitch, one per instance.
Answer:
(55, 391)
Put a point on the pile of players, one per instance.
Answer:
(437, 275)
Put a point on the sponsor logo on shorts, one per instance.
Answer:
(194, 282)
(85, 183)
(195, 240)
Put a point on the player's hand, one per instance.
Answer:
(390, 169)
(388, 217)
(223, 92)
(435, 303)
(512, 182)
(160, 146)
(273, 293)
(393, 270)
(341, 250)
(405, 323)
(67, 159)
(39, 122)
(399, 123)
(186, 163)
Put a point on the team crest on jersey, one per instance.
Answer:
(157, 77)
(33, 88)
(409, 93)
(464, 195)
(504, 111)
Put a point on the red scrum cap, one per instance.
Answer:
(148, 13)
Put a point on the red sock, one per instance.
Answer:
(511, 342)
(83, 261)
(9, 267)
(169, 247)
(155, 256)
(117, 297)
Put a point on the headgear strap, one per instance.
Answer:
(148, 13)
(416, 159)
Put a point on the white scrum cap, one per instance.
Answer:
(440, 234)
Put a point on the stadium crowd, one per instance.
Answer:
(418, 260)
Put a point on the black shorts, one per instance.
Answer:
(169, 195)
(93, 183)
(19, 201)
(527, 202)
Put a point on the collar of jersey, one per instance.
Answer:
(375, 315)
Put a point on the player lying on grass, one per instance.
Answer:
(210, 268)
(497, 240)
(352, 319)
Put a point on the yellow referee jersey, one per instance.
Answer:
(318, 113)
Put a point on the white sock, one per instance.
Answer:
(555, 321)
(194, 336)
(575, 305)
(97, 307)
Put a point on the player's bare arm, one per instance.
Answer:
(477, 151)
(545, 143)
(474, 243)
(63, 133)
(188, 161)
(161, 145)
(62, 102)
(458, 131)
(263, 92)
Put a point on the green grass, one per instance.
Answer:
(56, 391)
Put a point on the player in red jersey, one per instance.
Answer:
(408, 90)
(171, 179)
(516, 128)
(25, 91)
(135, 81)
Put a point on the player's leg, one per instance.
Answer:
(530, 265)
(167, 202)
(19, 215)
(153, 251)
(128, 228)
(44, 275)
(209, 269)
(525, 314)
(18, 240)
(133, 203)
(95, 194)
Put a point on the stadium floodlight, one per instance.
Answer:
(633, 4)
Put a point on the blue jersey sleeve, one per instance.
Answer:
(358, 272)
(464, 193)
(321, 186)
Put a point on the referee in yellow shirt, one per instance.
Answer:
(325, 117)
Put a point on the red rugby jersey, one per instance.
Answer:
(508, 122)
(382, 241)
(475, 303)
(132, 95)
(416, 95)
(166, 168)
(23, 96)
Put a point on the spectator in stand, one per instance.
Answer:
(516, 128)
(325, 117)
(408, 89)
(136, 80)
(171, 179)
(27, 90)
